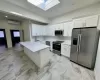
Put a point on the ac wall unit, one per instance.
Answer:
(13, 22)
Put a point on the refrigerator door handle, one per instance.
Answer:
(80, 37)
(78, 43)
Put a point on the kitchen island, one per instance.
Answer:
(38, 52)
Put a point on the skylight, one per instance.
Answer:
(44, 4)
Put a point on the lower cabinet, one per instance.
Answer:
(65, 50)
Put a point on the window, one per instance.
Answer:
(16, 34)
(1, 34)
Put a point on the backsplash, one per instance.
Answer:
(51, 38)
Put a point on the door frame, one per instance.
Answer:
(5, 37)
(11, 32)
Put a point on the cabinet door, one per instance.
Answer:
(34, 30)
(59, 26)
(70, 27)
(66, 25)
(45, 30)
(39, 31)
(92, 21)
(42, 30)
(65, 50)
(51, 30)
(78, 23)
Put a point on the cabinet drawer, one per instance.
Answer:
(65, 50)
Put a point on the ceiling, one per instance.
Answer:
(10, 16)
(65, 6)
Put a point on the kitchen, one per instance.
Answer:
(53, 45)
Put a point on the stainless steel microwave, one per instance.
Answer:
(59, 32)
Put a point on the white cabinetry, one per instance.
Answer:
(38, 30)
(35, 30)
(68, 26)
(65, 50)
(78, 23)
(43, 30)
(50, 30)
(90, 21)
(59, 26)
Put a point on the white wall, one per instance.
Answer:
(90, 10)
(26, 27)
(8, 27)
(8, 7)
(97, 65)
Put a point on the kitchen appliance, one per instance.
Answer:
(59, 32)
(57, 47)
(84, 45)
(49, 43)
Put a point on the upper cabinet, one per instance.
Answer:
(68, 26)
(50, 30)
(38, 30)
(34, 30)
(59, 26)
(91, 21)
(78, 23)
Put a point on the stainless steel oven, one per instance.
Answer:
(57, 47)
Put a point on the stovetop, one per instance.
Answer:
(58, 42)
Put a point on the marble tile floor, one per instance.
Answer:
(15, 65)
(2, 48)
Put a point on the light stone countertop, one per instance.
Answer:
(67, 42)
(34, 46)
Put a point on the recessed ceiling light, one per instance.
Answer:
(6, 16)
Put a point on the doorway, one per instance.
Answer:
(3, 40)
(15, 37)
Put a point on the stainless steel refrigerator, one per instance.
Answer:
(84, 44)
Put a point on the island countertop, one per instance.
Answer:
(34, 46)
